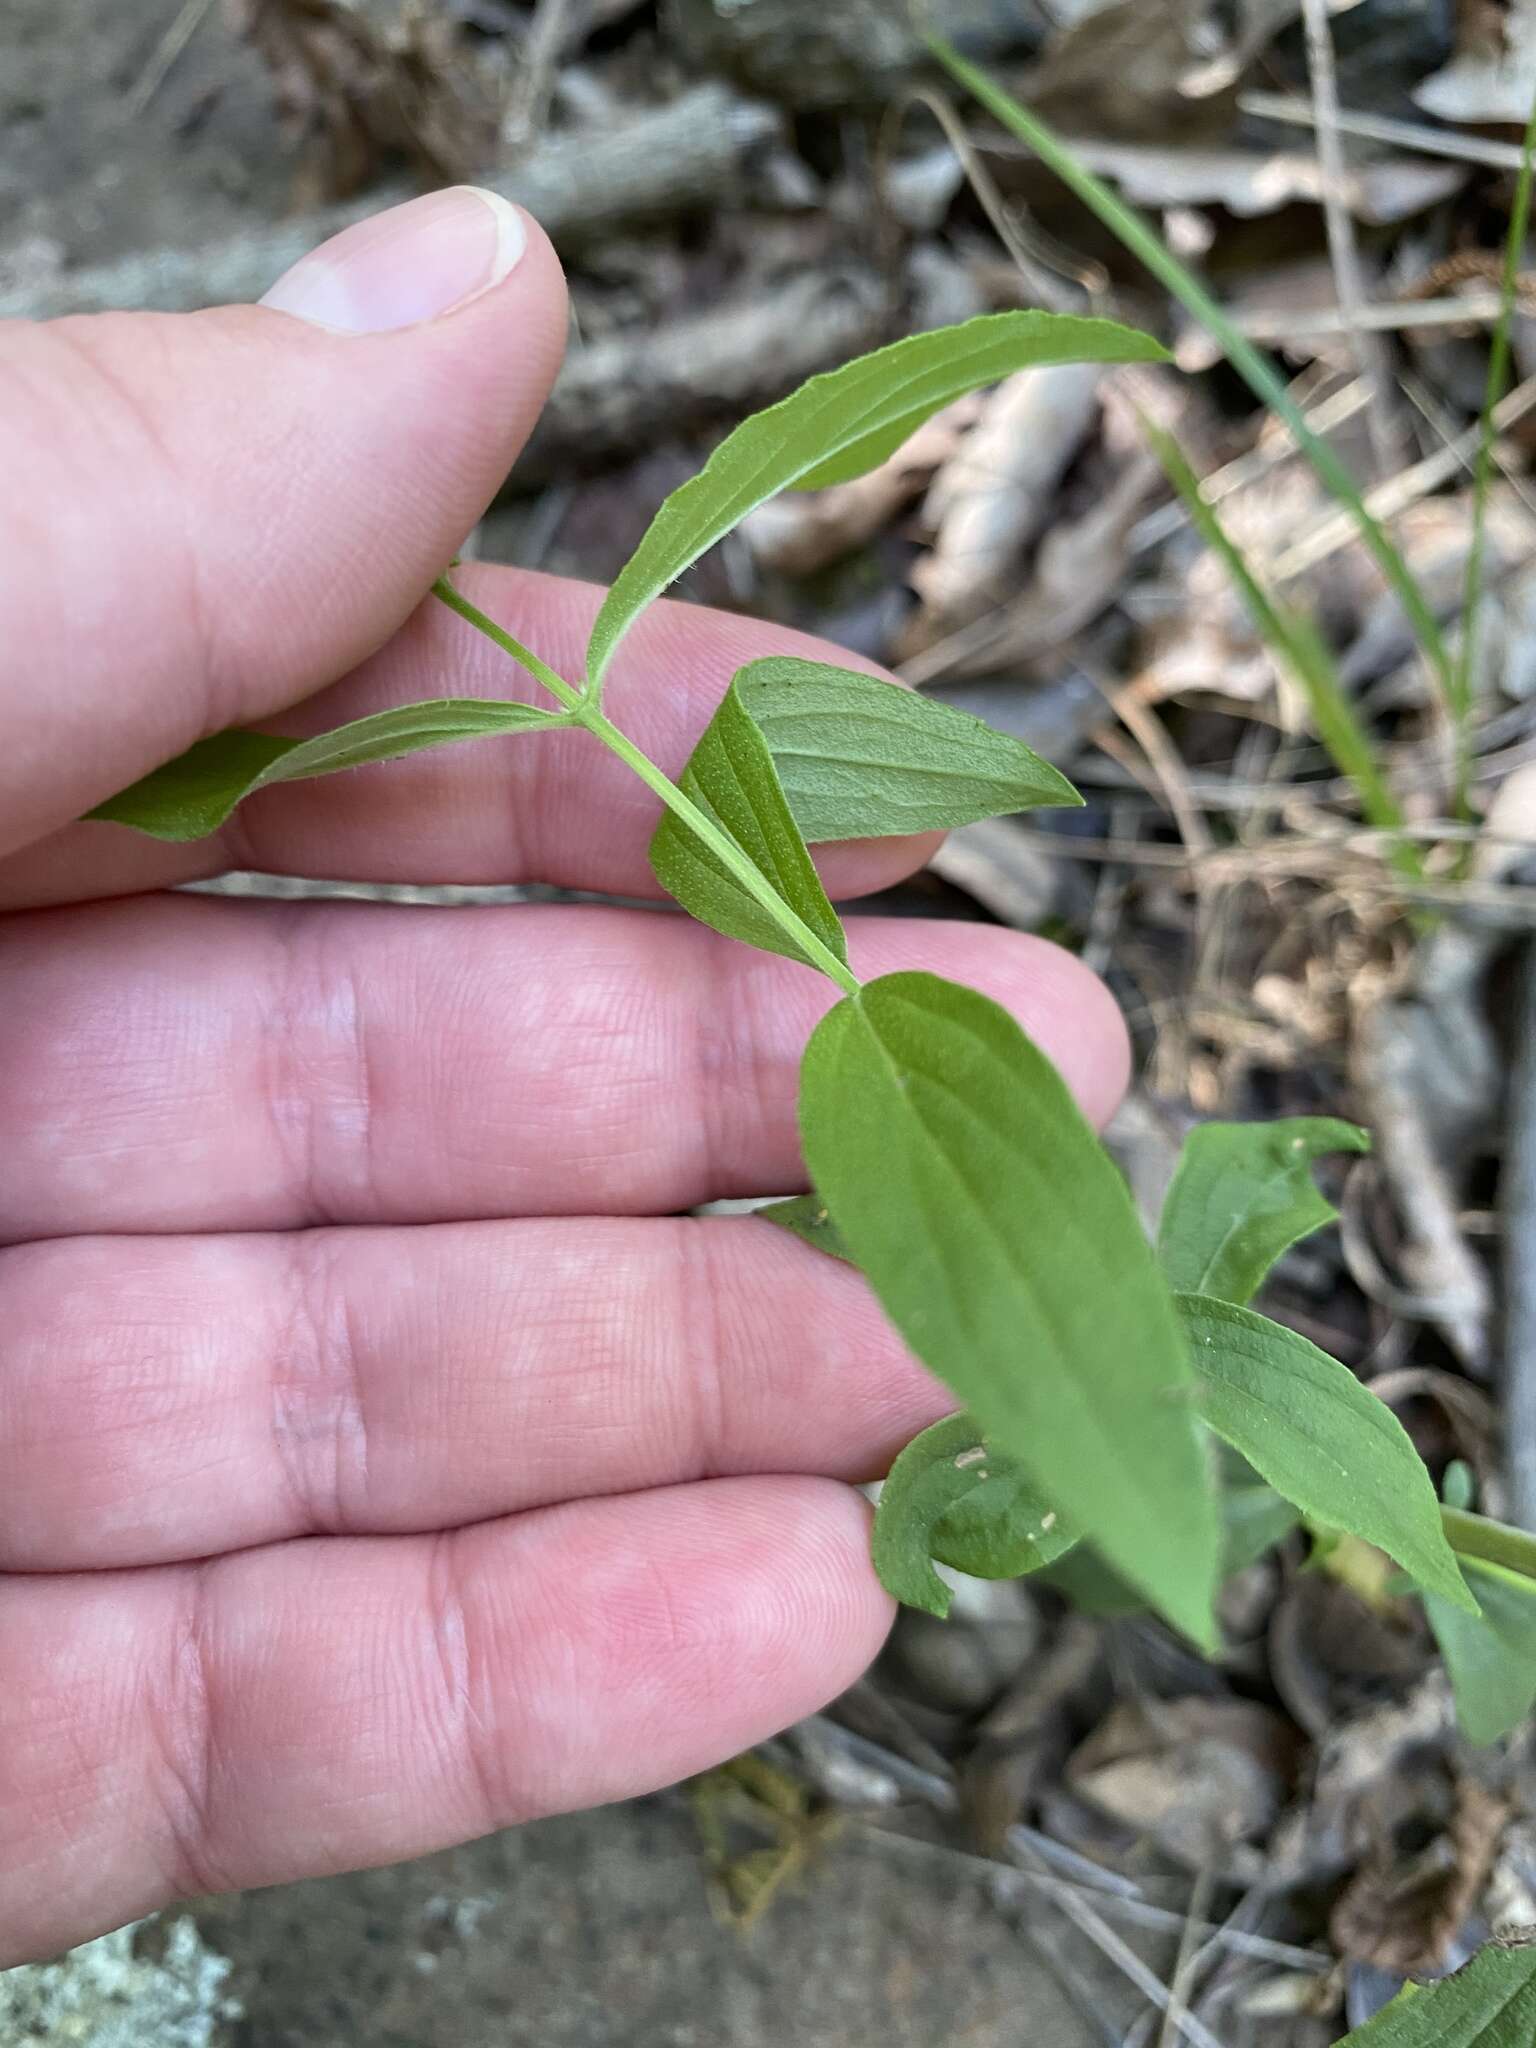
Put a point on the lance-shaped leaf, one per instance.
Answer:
(862, 759)
(1490, 2003)
(837, 426)
(1003, 1245)
(952, 1496)
(1491, 1657)
(1307, 1426)
(730, 776)
(1244, 1194)
(193, 795)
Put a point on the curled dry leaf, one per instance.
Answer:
(1204, 1778)
(1024, 1740)
(1248, 183)
(1403, 1912)
(997, 490)
(1080, 567)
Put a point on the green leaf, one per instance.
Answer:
(862, 759)
(837, 426)
(1490, 2003)
(1254, 1519)
(1472, 1535)
(730, 776)
(1297, 645)
(808, 1218)
(193, 795)
(1242, 1195)
(1144, 242)
(952, 1496)
(1491, 1657)
(1003, 1245)
(1307, 1426)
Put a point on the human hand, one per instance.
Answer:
(382, 1461)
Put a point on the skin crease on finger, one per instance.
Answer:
(270, 1066)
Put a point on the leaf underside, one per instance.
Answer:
(1490, 1657)
(192, 796)
(859, 758)
(1243, 1195)
(1003, 1245)
(1310, 1429)
(730, 776)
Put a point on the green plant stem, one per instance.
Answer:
(1295, 642)
(1498, 374)
(1262, 379)
(541, 671)
(721, 845)
(1494, 1542)
(586, 712)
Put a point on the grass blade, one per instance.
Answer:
(1482, 476)
(1262, 379)
(1295, 642)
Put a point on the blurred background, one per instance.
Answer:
(1047, 1823)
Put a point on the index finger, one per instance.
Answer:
(536, 807)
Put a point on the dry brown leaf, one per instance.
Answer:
(1402, 1912)
(1376, 1771)
(1248, 184)
(1132, 70)
(357, 86)
(1080, 567)
(1330, 1654)
(1202, 1777)
(996, 491)
(1024, 1739)
(799, 532)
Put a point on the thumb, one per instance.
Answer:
(207, 516)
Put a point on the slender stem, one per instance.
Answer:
(541, 671)
(722, 846)
(718, 841)
(1495, 1542)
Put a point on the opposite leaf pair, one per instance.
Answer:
(1329, 1451)
(1303, 1422)
(991, 1225)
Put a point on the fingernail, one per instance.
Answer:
(413, 263)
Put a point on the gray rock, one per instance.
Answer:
(156, 1985)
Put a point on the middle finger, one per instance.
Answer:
(167, 1398)
(174, 1064)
